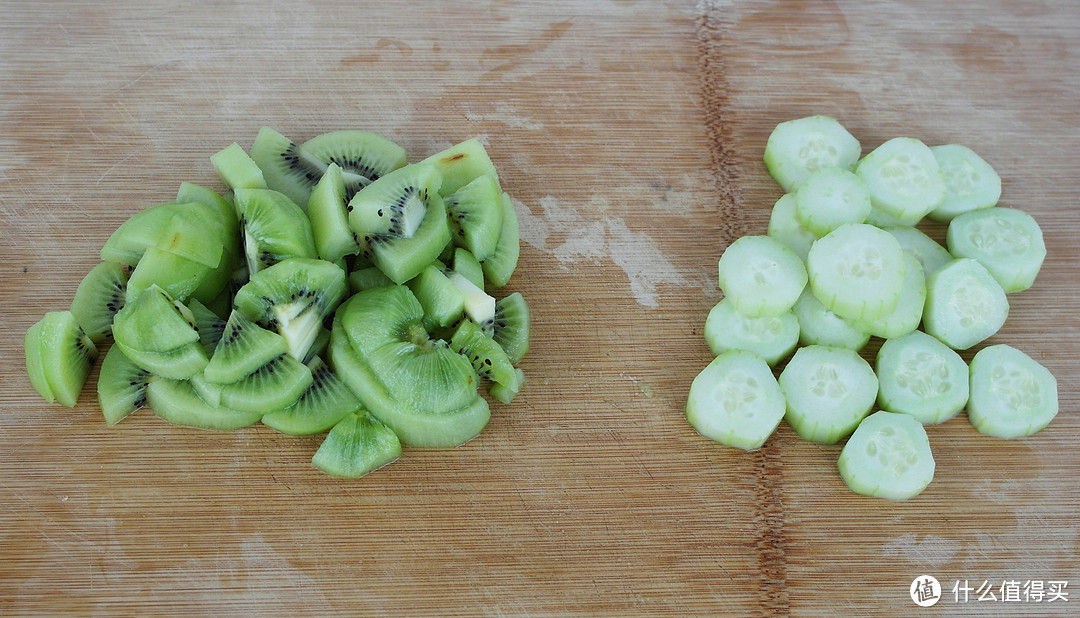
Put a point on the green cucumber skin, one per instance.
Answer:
(906, 473)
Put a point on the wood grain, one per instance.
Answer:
(630, 135)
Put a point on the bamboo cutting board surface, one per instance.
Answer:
(630, 135)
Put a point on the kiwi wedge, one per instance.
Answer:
(476, 214)
(323, 404)
(294, 169)
(400, 258)
(59, 355)
(364, 278)
(100, 294)
(395, 204)
(237, 169)
(329, 217)
(501, 265)
(177, 402)
(272, 228)
(510, 328)
(191, 229)
(487, 357)
(460, 164)
(121, 386)
(356, 445)
(466, 264)
(243, 348)
(278, 384)
(293, 297)
(477, 304)
(442, 301)
(208, 324)
(158, 334)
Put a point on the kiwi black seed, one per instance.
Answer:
(99, 296)
(322, 405)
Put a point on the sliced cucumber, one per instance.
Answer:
(828, 391)
(797, 148)
(930, 254)
(964, 304)
(761, 276)
(735, 400)
(921, 376)
(829, 198)
(1012, 394)
(1007, 241)
(904, 179)
(857, 271)
(785, 227)
(771, 338)
(888, 456)
(819, 326)
(907, 314)
(970, 182)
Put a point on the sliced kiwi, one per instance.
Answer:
(396, 203)
(461, 164)
(477, 304)
(159, 224)
(192, 193)
(272, 228)
(418, 386)
(237, 169)
(443, 302)
(364, 278)
(177, 402)
(175, 274)
(402, 259)
(208, 324)
(244, 347)
(501, 265)
(356, 445)
(363, 156)
(465, 263)
(158, 333)
(476, 214)
(322, 405)
(293, 297)
(329, 217)
(274, 386)
(510, 328)
(100, 294)
(121, 386)
(286, 168)
(488, 358)
(58, 357)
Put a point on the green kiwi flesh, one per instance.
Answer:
(477, 304)
(488, 358)
(476, 215)
(327, 211)
(442, 301)
(356, 445)
(164, 224)
(237, 168)
(177, 402)
(363, 156)
(323, 404)
(121, 386)
(510, 328)
(460, 164)
(208, 324)
(58, 357)
(272, 228)
(364, 278)
(402, 259)
(465, 263)
(395, 204)
(286, 168)
(501, 265)
(244, 347)
(100, 294)
(277, 384)
(158, 334)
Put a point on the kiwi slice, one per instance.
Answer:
(477, 304)
(58, 357)
(274, 386)
(402, 259)
(208, 324)
(177, 402)
(158, 334)
(488, 359)
(395, 204)
(419, 387)
(272, 227)
(465, 263)
(293, 297)
(237, 169)
(192, 193)
(243, 348)
(364, 278)
(177, 275)
(510, 328)
(322, 405)
(357, 444)
(100, 294)
(442, 301)
(501, 265)
(461, 164)
(121, 386)
(329, 217)
(183, 228)
(286, 168)
(476, 215)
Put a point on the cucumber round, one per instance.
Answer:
(964, 304)
(857, 271)
(797, 148)
(735, 400)
(829, 198)
(770, 338)
(904, 179)
(1007, 241)
(888, 456)
(828, 391)
(1012, 394)
(761, 276)
(970, 182)
(921, 376)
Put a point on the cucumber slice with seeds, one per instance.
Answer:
(797, 148)
(829, 198)
(784, 226)
(921, 376)
(964, 304)
(761, 276)
(1012, 394)
(771, 338)
(735, 400)
(1007, 241)
(888, 456)
(857, 271)
(907, 314)
(819, 326)
(970, 182)
(904, 179)
(930, 254)
(828, 391)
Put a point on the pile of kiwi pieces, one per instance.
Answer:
(332, 287)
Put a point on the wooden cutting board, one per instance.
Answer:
(630, 135)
